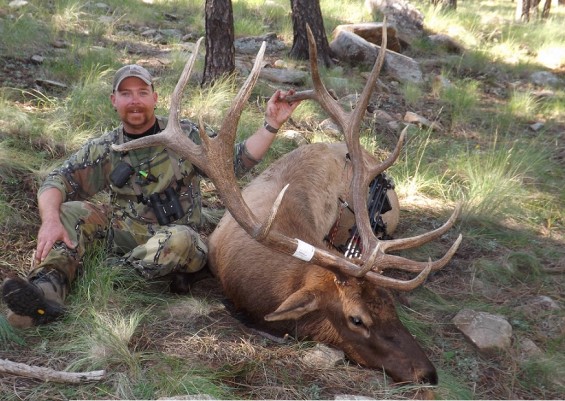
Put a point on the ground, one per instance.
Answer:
(223, 342)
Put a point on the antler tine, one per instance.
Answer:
(219, 155)
(401, 285)
(365, 167)
(412, 242)
(400, 263)
(321, 94)
(176, 96)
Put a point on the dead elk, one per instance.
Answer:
(269, 251)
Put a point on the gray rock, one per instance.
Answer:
(489, 333)
(284, 76)
(528, 349)
(409, 21)
(17, 3)
(353, 49)
(251, 45)
(322, 356)
(545, 78)
(447, 42)
(372, 32)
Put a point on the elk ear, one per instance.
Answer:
(295, 306)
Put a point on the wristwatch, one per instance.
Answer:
(270, 128)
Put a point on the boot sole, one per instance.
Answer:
(23, 298)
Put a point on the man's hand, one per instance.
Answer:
(49, 233)
(278, 109)
(51, 230)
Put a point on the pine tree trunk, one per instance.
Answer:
(220, 51)
(309, 12)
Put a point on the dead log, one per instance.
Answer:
(49, 375)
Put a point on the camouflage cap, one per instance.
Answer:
(131, 70)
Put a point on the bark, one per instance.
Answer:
(546, 9)
(522, 11)
(309, 12)
(220, 51)
(49, 375)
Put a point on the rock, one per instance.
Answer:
(295, 136)
(103, 7)
(533, 306)
(447, 42)
(544, 78)
(280, 64)
(322, 356)
(403, 68)
(528, 349)
(252, 44)
(106, 19)
(408, 20)
(372, 32)
(37, 59)
(17, 3)
(394, 125)
(284, 76)
(383, 116)
(330, 127)
(60, 44)
(489, 333)
(355, 50)
(536, 126)
(421, 121)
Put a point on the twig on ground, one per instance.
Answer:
(47, 374)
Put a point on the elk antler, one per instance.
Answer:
(215, 158)
(365, 169)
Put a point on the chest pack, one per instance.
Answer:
(165, 205)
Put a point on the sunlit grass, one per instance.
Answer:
(492, 180)
(522, 105)
(460, 100)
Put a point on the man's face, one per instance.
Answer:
(135, 102)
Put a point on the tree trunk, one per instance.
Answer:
(546, 9)
(522, 11)
(220, 51)
(308, 12)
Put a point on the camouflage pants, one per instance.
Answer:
(153, 250)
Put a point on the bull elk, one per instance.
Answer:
(269, 252)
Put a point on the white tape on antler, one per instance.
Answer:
(304, 251)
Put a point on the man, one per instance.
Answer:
(155, 202)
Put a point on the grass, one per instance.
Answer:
(154, 344)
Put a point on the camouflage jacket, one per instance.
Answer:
(87, 173)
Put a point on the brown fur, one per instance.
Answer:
(287, 295)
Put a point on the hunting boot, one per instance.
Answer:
(37, 300)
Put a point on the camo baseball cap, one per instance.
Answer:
(131, 70)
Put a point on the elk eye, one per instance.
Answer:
(356, 321)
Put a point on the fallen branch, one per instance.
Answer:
(47, 374)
